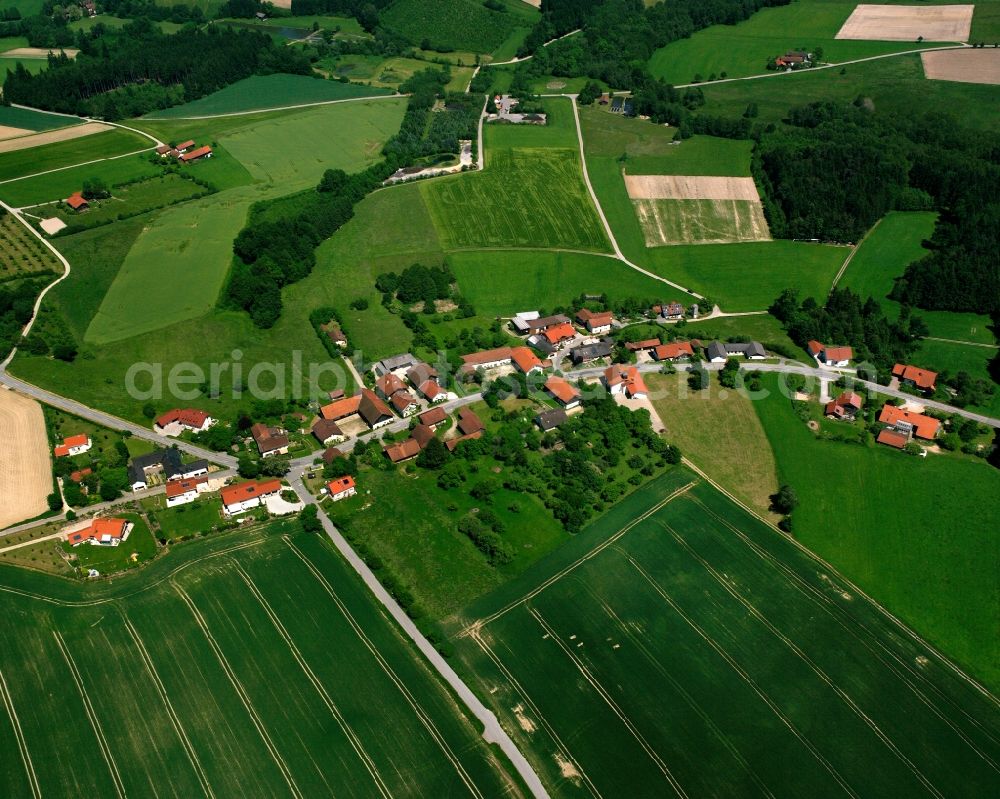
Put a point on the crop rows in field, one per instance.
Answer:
(264, 670)
(700, 221)
(693, 644)
(525, 198)
(21, 254)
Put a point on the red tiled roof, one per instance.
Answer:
(676, 349)
(402, 400)
(593, 319)
(342, 408)
(562, 390)
(330, 453)
(846, 400)
(469, 422)
(191, 417)
(196, 154)
(892, 438)
(402, 451)
(422, 434)
(115, 528)
(560, 332)
(433, 417)
(177, 487)
(340, 485)
(69, 443)
(431, 390)
(524, 359)
(185, 144)
(645, 344)
(249, 490)
(456, 441)
(475, 359)
(629, 375)
(814, 348)
(921, 378)
(923, 426)
(372, 409)
(838, 353)
(76, 201)
(78, 476)
(388, 384)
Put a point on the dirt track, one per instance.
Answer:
(963, 66)
(51, 136)
(7, 132)
(689, 187)
(908, 23)
(39, 52)
(25, 469)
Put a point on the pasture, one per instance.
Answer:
(210, 673)
(502, 282)
(901, 528)
(459, 25)
(59, 185)
(524, 198)
(62, 154)
(21, 254)
(262, 92)
(754, 648)
(884, 255)
(559, 130)
(944, 356)
(743, 49)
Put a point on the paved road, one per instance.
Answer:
(492, 731)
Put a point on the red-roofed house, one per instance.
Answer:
(184, 146)
(525, 360)
(194, 155)
(432, 392)
(563, 392)
(891, 438)
(106, 532)
(78, 476)
(388, 384)
(77, 202)
(469, 423)
(595, 323)
(242, 497)
(622, 379)
(924, 379)
(404, 403)
(909, 422)
(74, 445)
(559, 334)
(403, 451)
(181, 492)
(341, 409)
(173, 422)
(831, 356)
(433, 417)
(674, 351)
(373, 411)
(487, 359)
(846, 406)
(640, 346)
(270, 440)
(341, 488)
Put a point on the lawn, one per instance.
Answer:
(232, 634)
(607, 134)
(884, 255)
(187, 520)
(753, 648)
(61, 184)
(744, 49)
(759, 327)
(917, 534)
(718, 430)
(262, 92)
(503, 282)
(137, 549)
(457, 24)
(21, 254)
(193, 241)
(525, 198)
(559, 130)
(944, 356)
(67, 153)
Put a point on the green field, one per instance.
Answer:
(753, 648)
(884, 255)
(559, 130)
(61, 184)
(459, 24)
(744, 48)
(210, 673)
(502, 282)
(267, 91)
(33, 65)
(901, 527)
(524, 198)
(699, 155)
(944, 356)
(193, 242)
(667, 222)
(67, 153)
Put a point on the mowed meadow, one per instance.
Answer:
(754, 648)
(245, 665)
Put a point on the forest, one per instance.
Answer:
(200, 61)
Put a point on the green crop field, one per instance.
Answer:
(754, 648)
(744, 49)
(700, 221)
(67, 153)
(267, 91)
(193, 241)
(884, 255)
(902, 528)
(524, 198)
(212, 672)
(502, 282)
(458, 24)
(33, 120)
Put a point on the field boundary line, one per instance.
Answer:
(241, 691)
(352, 736)
(690, 700)
(902, 671)
(395, 96)
(735, 666)
(74, 166)
(421, 714)
(95, 723)
(852, 253)
(966, 343)
(479, 624)
(813, 666)
(615, 708)
(22, 744)
(488, 651)
(171, 713)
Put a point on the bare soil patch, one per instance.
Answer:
(25, 469)
(963, 66)
(52, 136)
(7, 132)
(52, 225)
(908, 23)
(690, 187)
(38, 52)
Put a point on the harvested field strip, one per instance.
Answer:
(963, 66)
(666, 222)
(25, 470)
(52, 136)
(690, 187)
(754, 646)
(908, 23)
(7, 132)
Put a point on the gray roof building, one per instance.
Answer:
(402, 361)
(549, 420)
(591, 352)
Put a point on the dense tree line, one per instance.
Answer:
(16, 306)
(201, 61)
(425, 132)
(845, 319)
